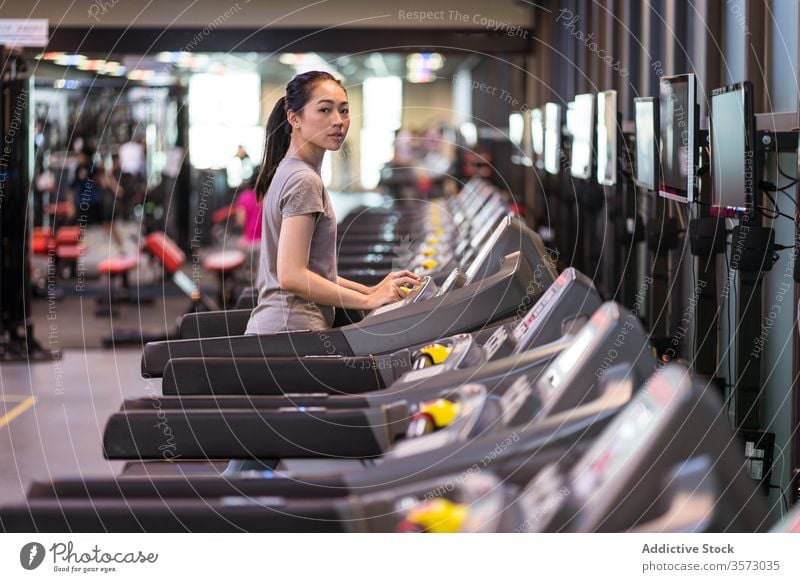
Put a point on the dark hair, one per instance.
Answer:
(279, 132)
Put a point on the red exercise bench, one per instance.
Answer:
(225, 264)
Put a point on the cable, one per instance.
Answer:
(789, 196)
(775, 210)
(775, 215)
(783, 498)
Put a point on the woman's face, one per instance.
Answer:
(325, 118)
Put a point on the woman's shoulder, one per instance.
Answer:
(297, 172)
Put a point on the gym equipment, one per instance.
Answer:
(310, 379)
(511, 266)
(167, 253)
(366, 424)
(17, 339)
(527, 430)
(667, 463)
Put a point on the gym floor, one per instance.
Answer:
(52, 413)
(52, 416)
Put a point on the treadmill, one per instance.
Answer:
(375, 231)
(669, 462)
(533, 425)
(572, 295)
(440, 270)
(512, 266)
(325, 423)
(436, 235)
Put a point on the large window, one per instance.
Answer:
(223, 114)
(383, 109)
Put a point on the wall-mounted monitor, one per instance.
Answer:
(732, 146)
(582, 136)
(607, 133)
(537, 136)
(645, 112)
(470, 133)
(516, 129)
(678, 101)
(552, 137)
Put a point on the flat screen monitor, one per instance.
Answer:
(678, 100)
(537, 136)
(470, 133)
(607, 138)
(732, 145)
(569, 118)
(552, 137)
(645, 111)
(516, 129)
(582, 136)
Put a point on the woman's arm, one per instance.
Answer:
(294, 246)
(405, 275)
(348, 284)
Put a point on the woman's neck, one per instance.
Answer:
(307, 152)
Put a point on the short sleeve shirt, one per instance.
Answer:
(296, 189)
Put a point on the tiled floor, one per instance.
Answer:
(53, 413)
(60, 435)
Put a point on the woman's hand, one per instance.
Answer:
(389, 290)
(402, 276)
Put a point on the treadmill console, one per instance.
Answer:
(464, 352)
(526, 329)
(520, 403)
(455, 280)
(607, 469)
(570, 295)
(486, 250)
(611, 337)
(425, 289)
(471, 400)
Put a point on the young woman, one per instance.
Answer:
(297, 264)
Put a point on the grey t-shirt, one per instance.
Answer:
(296, 189)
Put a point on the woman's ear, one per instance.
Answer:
(294, 119)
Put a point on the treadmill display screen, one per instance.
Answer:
(583, 136)
(568, 360)
(537, 131)
(629, 433)
(486, 250)
(607, 138)
(552, 137)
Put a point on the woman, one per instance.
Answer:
(300, 287)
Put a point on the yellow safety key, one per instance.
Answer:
(432, 240)
(439, 516)
(442, 412)
(438, 231)
(428, 252)
(436, 352)
(406, 289)
(429, 264)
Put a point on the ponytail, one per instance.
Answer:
(279, 134)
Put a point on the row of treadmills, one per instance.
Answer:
(498, 395)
